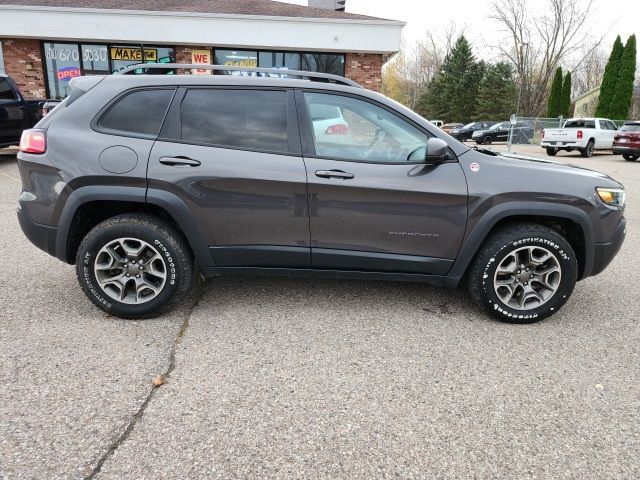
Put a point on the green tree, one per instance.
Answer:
(451, 94)
(497, 93)
(565, 98)
(623, 94)
(609, 80)
(555, 95)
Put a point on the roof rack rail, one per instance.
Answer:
(313, 76)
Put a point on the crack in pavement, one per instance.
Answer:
(122, 437)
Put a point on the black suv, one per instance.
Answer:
(142, 181)
(465, 132)
(520, 132)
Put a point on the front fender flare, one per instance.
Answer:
(519, 209)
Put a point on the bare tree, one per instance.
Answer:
(587, 73)
(407, 74)
(536, 44)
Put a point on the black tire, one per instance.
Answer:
(487, 140)
(176, 259)
(552, 151)
(588, 151)
(630, 157)
(463, 138)
(480, 278)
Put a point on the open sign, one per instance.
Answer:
(67, 73)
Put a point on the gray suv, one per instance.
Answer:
(142, 181)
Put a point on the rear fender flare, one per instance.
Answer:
(171, 203)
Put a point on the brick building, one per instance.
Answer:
(45, 43)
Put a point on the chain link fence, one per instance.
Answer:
(528, 130)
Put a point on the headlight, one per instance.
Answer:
(612, 196)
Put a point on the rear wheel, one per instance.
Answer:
(463, 138)
(523, 273)
(588, 150)
(552, 151)
(630, 157)
(134, 266)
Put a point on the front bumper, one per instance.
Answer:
(604, 252)
(42, 236)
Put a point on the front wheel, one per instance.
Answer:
(523, 273)
(463, 138)
(487, 140)
(630, 157)
(134, 266)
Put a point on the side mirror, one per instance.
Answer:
(437, 150)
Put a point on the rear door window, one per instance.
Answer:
(139, 112)
(244, 119)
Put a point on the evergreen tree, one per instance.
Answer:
(497, 93)
(623, 94)
(451, 94)
(609, 80)
(565, 98)
(555, 95)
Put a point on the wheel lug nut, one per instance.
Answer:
(137, 275)
(140, 267)
(531, 276)
(128, 274)
(526, 283)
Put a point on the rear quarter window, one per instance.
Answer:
(139, 112)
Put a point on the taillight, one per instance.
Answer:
(338, 129)
(579, 134)
(33, 141)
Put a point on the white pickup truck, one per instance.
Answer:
(582, 134)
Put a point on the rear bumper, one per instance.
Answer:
(42, 236)
(604, 252)
(624, 150)
(560, 145)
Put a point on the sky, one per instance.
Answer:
(608, 18)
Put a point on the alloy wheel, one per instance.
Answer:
(527, 277)
(130, 270)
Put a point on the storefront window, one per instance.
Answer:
(63, 63)
(324, 63)
(95, 60)
(283, 60)
(236, 58)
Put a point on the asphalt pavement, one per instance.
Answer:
(289, 378)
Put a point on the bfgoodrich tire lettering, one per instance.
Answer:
(165, 241)
(519, 237)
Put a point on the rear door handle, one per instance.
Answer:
(334, 174)
(179, 161)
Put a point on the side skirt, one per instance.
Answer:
(436, 280)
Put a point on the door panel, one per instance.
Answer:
(393, 209)
(240, 199)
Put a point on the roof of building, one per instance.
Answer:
(229, 7)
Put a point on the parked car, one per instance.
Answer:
(582, 134)
(437, 123)
(329, 124)
(142, 181)
(626, 141)
(466, 132)
(521, 132)
(16, 112)
(447, 127)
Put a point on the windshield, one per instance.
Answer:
(495, 127)
(630, 128)
(469, 125)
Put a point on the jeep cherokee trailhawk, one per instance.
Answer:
(142, 181)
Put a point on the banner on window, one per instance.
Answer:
(201, 57)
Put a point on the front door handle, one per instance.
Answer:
(334, 174)
(179, 161)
